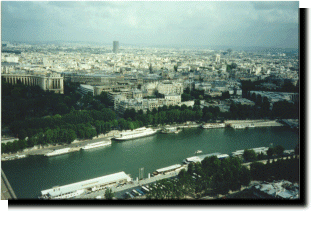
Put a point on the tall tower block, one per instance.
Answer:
(115, 46)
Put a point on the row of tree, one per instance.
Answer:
(212, 176)
(89, 120)
(287, 169)
(42, 138)
(20, 102)
(250, 155)
(248, 86)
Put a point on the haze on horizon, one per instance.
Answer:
(246, 24)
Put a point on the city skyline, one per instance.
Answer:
(245, 24)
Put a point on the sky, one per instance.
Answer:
(210, 23)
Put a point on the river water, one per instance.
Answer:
(30, 175)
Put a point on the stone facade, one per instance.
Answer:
(51, 82)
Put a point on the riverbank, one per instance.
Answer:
(136, 184)
(153, 152)
(41, 150)
(77, 144)
(255, 123)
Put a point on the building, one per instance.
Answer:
(243, 101)
(187, 103)
(115, 46)
(149, 88)
(203, 86)
(168, 87)
(275, 96)
(173, 99)
(218, 58)
(48, 82)
(276, 190)
(146, 104)
(87, 185)
(85, 88)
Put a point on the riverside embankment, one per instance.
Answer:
(77, 144)
(41, 150)
(29, 176)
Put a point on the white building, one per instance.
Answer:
(11, 59)
(51, 82)
(174, 99)
(65, 191)
(168, 87)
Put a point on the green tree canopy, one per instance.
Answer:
(109, 194)
(249, 155)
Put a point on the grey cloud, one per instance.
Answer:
(64, 4)
(276, 5)
(233, 23)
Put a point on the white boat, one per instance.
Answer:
(176, 132)
(97, 145)
(251, 125)
(238, 126)
(21, 156)
(213, 125)
(170, 130)
(137, 133)
(58, 152)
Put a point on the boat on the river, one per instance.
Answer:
(170, 130)
(213, 125)
(198, 151)
(58, 152)
(97, 145)
(238, 126)
(133, 134)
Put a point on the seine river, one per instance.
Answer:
(30, 175)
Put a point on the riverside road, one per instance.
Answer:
(126, 187)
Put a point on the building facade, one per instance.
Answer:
(49, 82)
(115, 46)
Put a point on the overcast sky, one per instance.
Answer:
(265, 24)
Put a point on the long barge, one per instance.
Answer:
(213, 125)
(97, 145)
(58, 152)
(133, 134)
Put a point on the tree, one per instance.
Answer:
(109, 194)
(297, 150)
(22, 134)
(257, 171)
(245, 176)
(279, 149)
(31, 141)
(249, 155)
(270, 152)
(71, 136)
(260, 156)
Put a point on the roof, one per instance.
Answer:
(168, 168)
(56, 191)
(193, 159)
